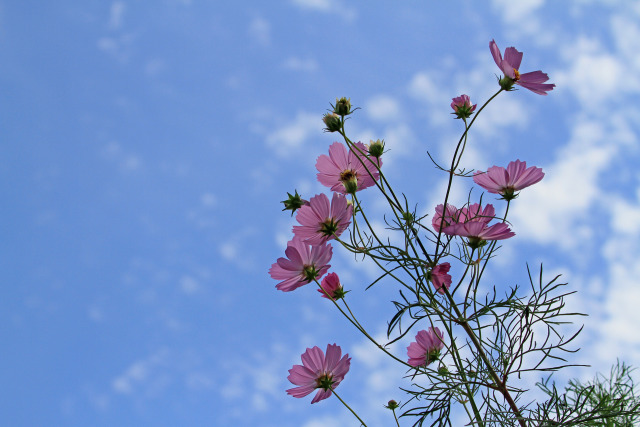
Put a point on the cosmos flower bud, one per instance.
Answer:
(376, 148)
(392, 404)
(332, 121)
(462, 107)
(294, 202)
(342, 107)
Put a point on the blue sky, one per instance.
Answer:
(146, 146)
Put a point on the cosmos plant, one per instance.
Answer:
(472, 340)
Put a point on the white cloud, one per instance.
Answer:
(299, 64)
(383, 108)
(594, 75)
(553, 210)
(141, 374)
(189, 285)
(327, 6)
(517, 12)
(260, 31)
(116, 14)
(288, 138)
(321, 5)
(127, 162)
(426, 86)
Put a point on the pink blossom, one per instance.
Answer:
(304, 264)
(343, 169)
(473, 223)
(331, 285)
(450, 217)
(534, 81)
(477, 231)
(319, 371)
(440, 277)
(321, 221)
(462, 106)
(426, 348)
(507, 181)
(475, 212)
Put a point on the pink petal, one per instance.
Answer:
(313, 359)
(332, 357)
(497, 56)
(301, 391)
(299, 375)
(528, 177)
(513, 57)
(321, 395)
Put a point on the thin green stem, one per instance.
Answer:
(349, 408)
(396, 417)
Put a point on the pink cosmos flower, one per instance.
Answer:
(304, 264)
(507, 181)
(475, 212)
(450, 217)
(321, 221)
(462, 106)
(477, 231)
(426, 348)
(473, 223)
(440, 277)
(534, 81)
(342, 171)
(331, 285)
(319, 371)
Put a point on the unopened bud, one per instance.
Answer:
(332, 121)
(343, 106)
(462, 107)
(392, 404)
(376, 148)
(408, 217)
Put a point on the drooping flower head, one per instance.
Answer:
(462, 106)
(319, 371)
(331, 285)
(476, 212)
(473, 223)
(507, 181)
(440, 277)
(304, 264)
(450, 217)
(343, 170)
(426, 348)
(321, 221)
(510, 65)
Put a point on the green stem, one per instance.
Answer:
(453, 163)
(349, 408)
(394, 416)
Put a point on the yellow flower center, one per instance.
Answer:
(516, 75)
(347, 175)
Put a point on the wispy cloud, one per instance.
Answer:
(260, 31)
(288, 138)
(116, 15)
(300, 64)
(327, 6)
